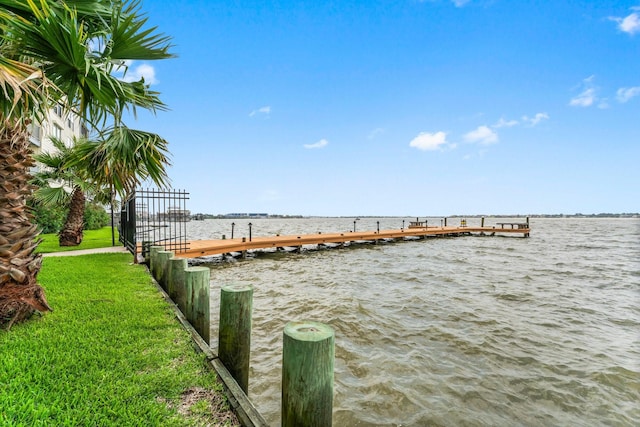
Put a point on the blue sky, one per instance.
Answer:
(404, 107)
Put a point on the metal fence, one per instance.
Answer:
(155, 217)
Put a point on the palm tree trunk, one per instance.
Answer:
(20, 294)
(71, 234)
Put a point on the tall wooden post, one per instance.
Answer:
(153, 262)
(445, 221)
(234, 336)
(482, 222)
(162, 258)
(197, 290)
(307, 374)
(175, 279)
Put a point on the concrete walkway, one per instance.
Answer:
(110, 249)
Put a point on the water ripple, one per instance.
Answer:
(457, 331)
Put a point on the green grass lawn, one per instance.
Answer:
(110, 354)
(92, 239)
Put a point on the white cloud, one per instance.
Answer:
(429, 141)
(482, 135)
(266, 110)
(145, 71)
(588, 96)
(584, 99)
(630, 23)
(320, 144)
(535, 119)
(502, 123)
(624, 94)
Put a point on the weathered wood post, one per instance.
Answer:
(162, 258)
(482, 222)
(153, 263)
(234, 335)
(197, 290)
(307, 374)
(175, 279)
(445, 221)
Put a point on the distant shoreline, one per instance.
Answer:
(276, 216)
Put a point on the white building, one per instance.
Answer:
(58, 124)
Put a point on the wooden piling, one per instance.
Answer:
(234, 335)
(153, 263)
(307, 374)
(162, 258)
(482, 222)
(175, 279)
(197, 302)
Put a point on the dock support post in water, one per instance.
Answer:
(307, 374)
(234, 335)
(482, 222)
(197, 290)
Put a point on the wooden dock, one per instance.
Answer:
(201, 248)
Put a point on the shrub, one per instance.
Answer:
(95, 217)
(49, 218)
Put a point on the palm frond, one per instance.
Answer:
(55, 160)
(130, 40)
(124, 158)
(59, 37)
(56, 195)
(24, 90)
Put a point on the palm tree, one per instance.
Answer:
(59, 51)
(61, 185)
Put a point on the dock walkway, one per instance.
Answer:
(201, 248)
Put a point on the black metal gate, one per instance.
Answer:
(155, 217)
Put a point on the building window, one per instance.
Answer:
(70, 123)
(58, 110)
(35, 134)
(35, 131)
(57, 132)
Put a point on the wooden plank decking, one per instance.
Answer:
(199, 248)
